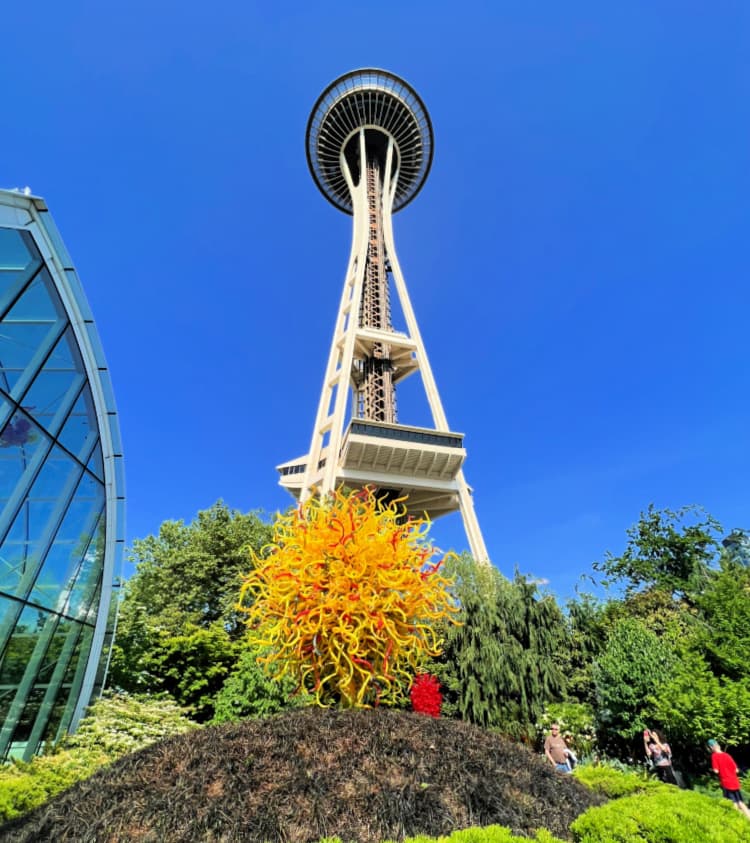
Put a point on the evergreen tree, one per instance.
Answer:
(502, 664)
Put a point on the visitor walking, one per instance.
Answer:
(556, 750)
(660, 754)
(724, 766)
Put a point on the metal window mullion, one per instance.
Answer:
(27, 682)
(39, 359)
(21, 491)
(86, 688)
(23, 286)
(75, 686)
(72, 394)
(10, 408)
(64, 602)
(26, 585)
(56, 518)
(32, 604)
(53, 689)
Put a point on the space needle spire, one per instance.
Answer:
(369, 148)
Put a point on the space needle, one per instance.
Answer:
(369, 147)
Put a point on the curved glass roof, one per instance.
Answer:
(374, 99)
(61, 487)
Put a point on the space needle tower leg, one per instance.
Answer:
(369, 144)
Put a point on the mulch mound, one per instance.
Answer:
(365, 776)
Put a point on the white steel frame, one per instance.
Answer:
(323, 460)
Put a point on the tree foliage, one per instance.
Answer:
(696, 704)
(725, 615)
(501, 665)
(249, 692)
(587, 624)
(119, 723)
(190, 574)
(628, 674)
(178, 626)
(672, 550)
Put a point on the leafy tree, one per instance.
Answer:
(178, 627)
(628, 675)
(501, 665)
(190, 667)
(725, 614)
(190, 574)
(697, 705)
(672, 551)
(737, 547)
(250, 692)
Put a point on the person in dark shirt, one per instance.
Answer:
(724, 766)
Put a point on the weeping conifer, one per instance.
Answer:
(501, 666)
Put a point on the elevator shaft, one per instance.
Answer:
(376, 394)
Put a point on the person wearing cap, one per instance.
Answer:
(725, 767)
(556, 750)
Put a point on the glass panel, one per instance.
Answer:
(27, 328)
(37, 521)
(22, 446)
(18, 435)
(57, 385)
(39, 303)
(19, 260)
(6, 408)
(63, 703)
(70, 550)
(96, 463)
(80, 430)
(26, 721)
(89, 580)
(47, 665)
(21, 647)
(93, 600)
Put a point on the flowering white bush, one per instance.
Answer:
(119, 723)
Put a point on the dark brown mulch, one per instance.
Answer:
(363, 776)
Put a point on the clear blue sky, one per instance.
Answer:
(578, 259)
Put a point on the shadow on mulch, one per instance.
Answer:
(365, 776)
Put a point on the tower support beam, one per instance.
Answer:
(377, 130)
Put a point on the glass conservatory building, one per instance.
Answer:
(61, 487)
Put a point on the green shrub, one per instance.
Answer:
(615, 783)
(664, 814)
(113, 726)
(488, 834)
(23, 786)
(119, 723)
(250, 692)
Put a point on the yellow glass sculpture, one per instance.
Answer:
(346, 597)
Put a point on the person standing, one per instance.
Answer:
(556, 749)
(660, 754)
(724, 766)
